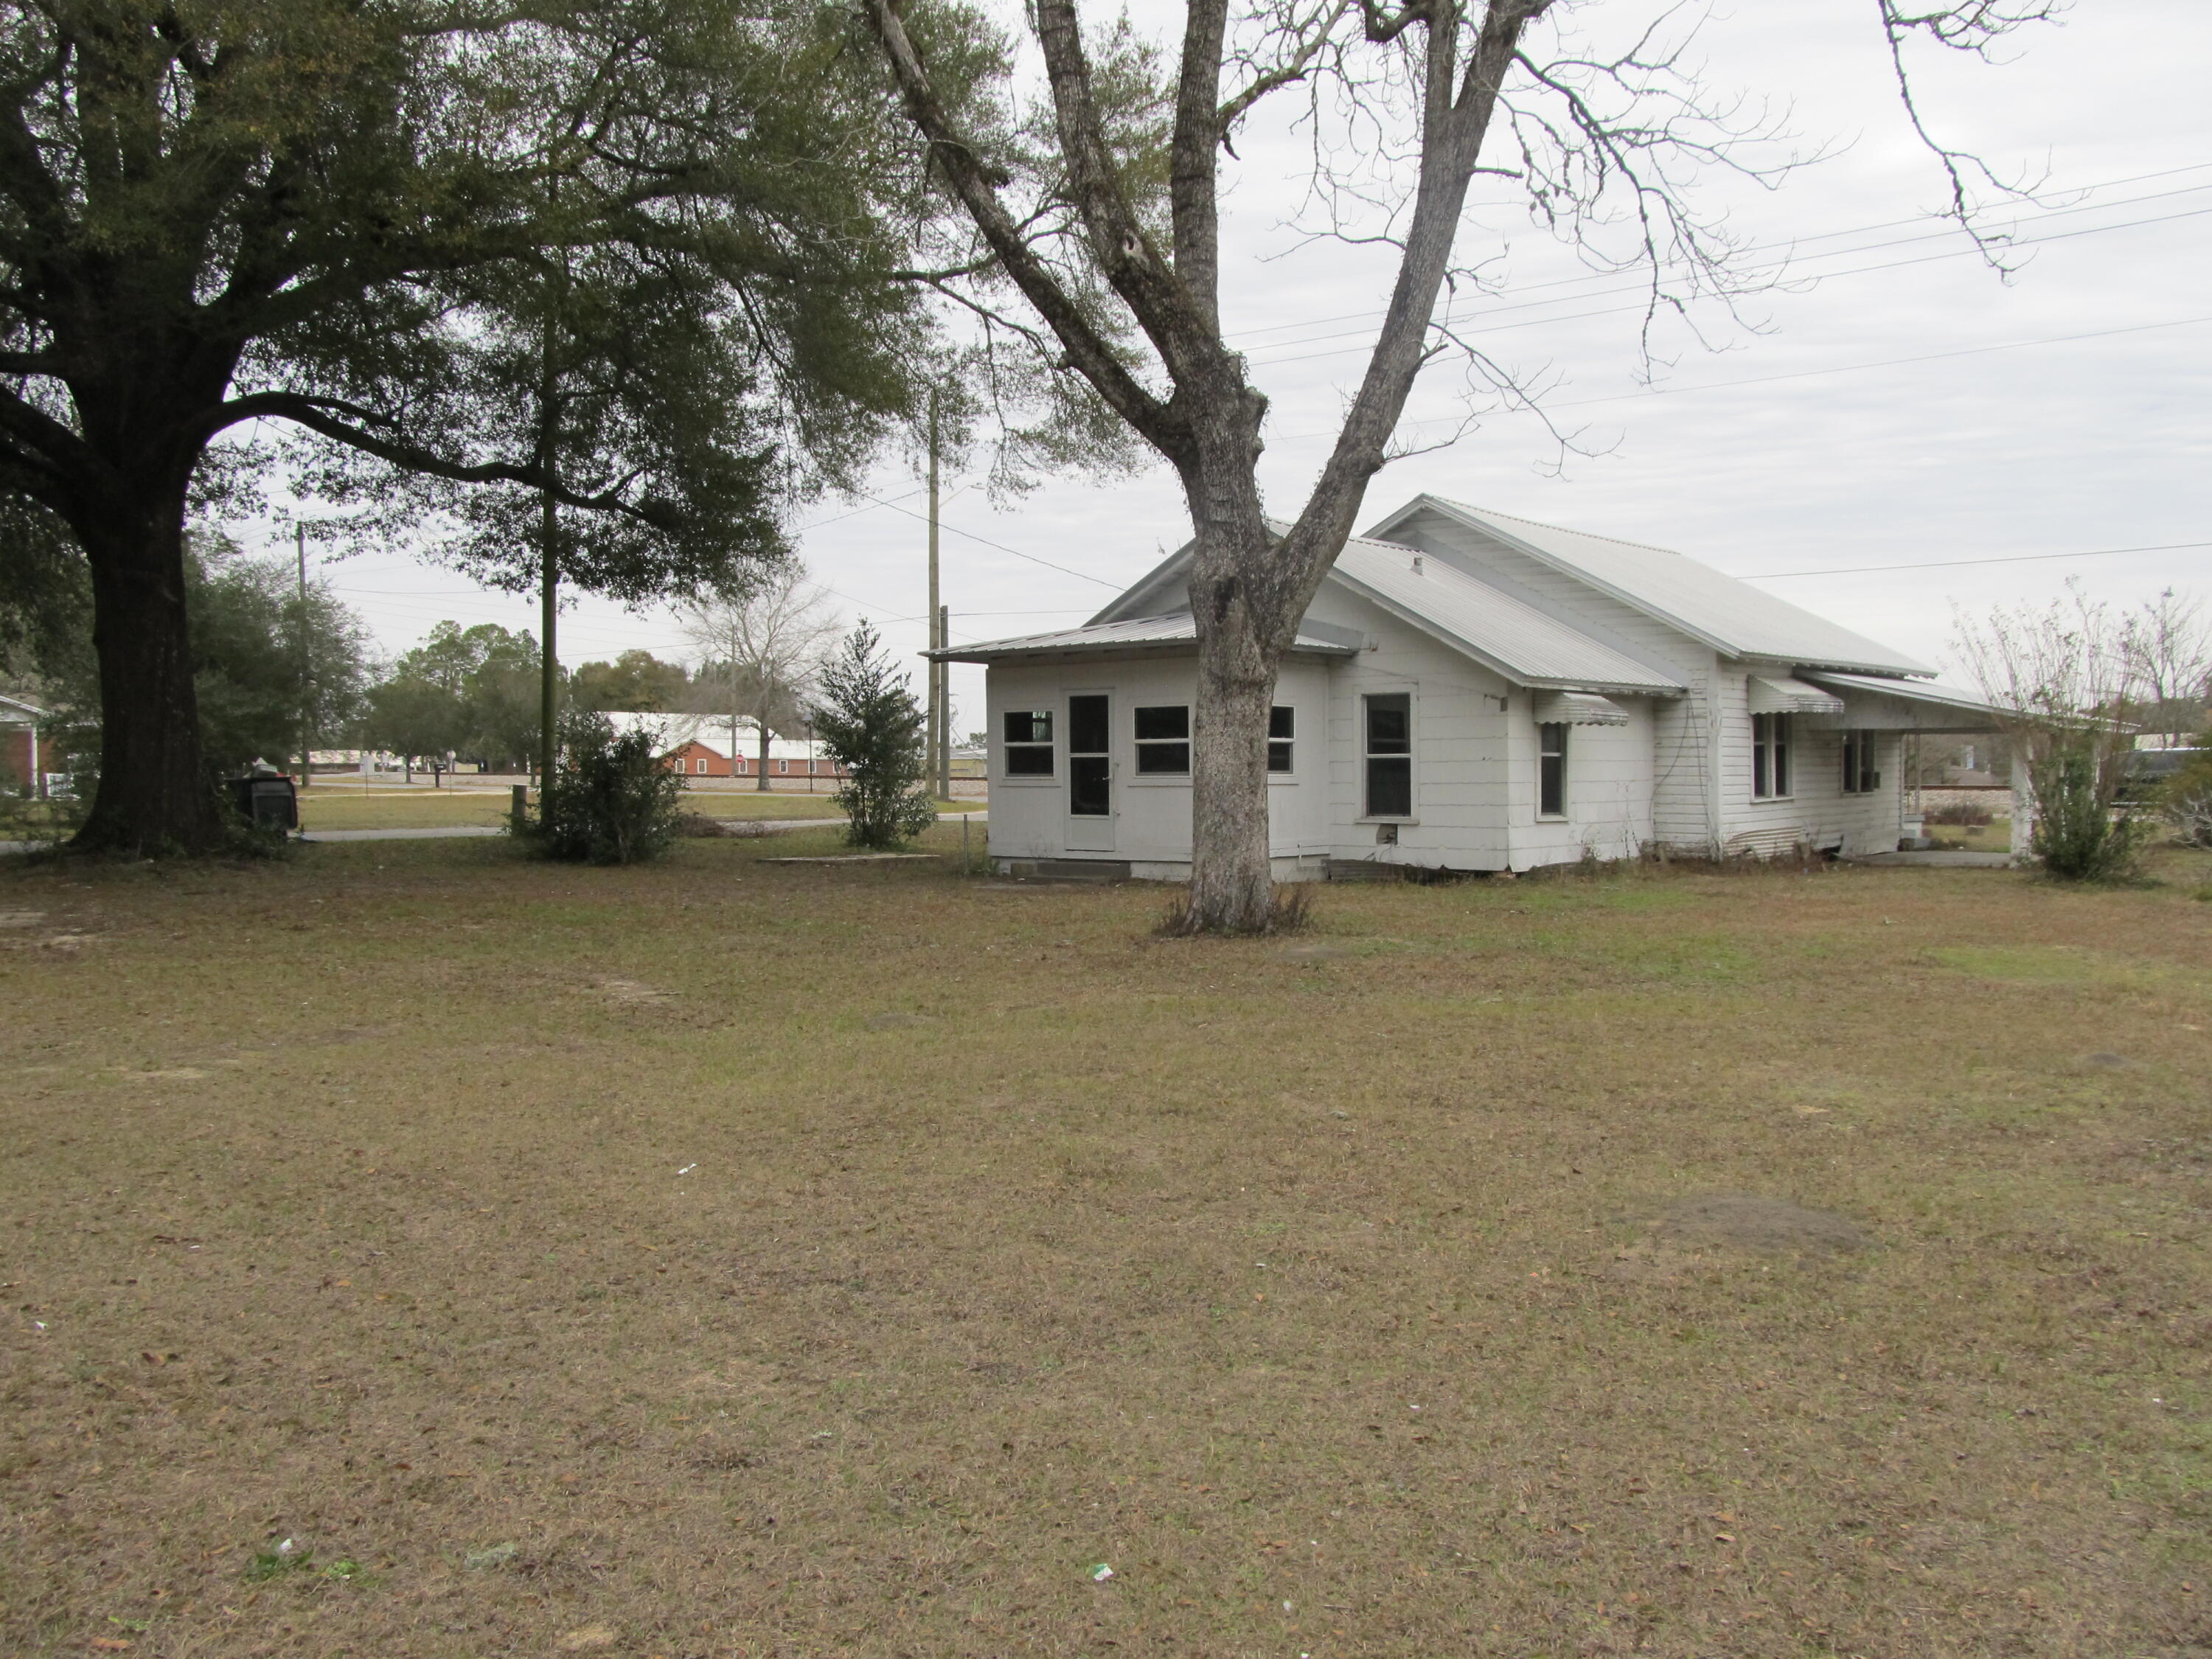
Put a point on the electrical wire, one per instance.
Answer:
(1952, 564)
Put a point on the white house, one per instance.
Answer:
(1471, 691)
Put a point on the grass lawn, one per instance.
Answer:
(1995, 836)
(325, 806)
(736, 1258)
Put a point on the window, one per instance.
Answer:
(1859, 776)
(1028, 743)
(1551, 770)
(1770, 756)
(699, 767)
(783, 766)
(1389, 737)
(1282, 726)
(1163, 741)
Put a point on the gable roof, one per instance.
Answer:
(1728, 615)
(1176, 628)
(1497, 630)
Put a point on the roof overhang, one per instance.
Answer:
(1174, 636)
(1918, 705)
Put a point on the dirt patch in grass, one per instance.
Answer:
(1771, 1225)
(1318, 1298)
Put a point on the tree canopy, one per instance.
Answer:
(333, 215)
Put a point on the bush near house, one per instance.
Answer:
(610, 799)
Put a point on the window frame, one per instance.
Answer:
(1551, 781)
(1145, 748)
(1772, 764)
(1287, 742)
(1008, 746)
(1369, 756)
(1861, 776)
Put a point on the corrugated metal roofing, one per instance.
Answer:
(1733, 616)
(1942, 696)
(1777, 694)
(1177, 628)
(1518, 640)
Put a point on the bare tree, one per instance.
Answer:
(2066, 681)
(763, 646)
(2168, 646)
(1102, 213)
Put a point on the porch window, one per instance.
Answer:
(1163, 741)
(1551, 770)
(1390, 754)
(1282, 727)
(1770, 756)
(1028, 743)
(1859, 776)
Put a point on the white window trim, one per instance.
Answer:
(1413, 696)
(1566, 813)
(1139, 779)
(1052, 780)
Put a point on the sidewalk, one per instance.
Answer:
(749, 827)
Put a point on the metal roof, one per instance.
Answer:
(1941, 696)
(1520, 641)
(1733, 617)
(1177, 628)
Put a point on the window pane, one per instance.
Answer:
(1086, 725)
(1163, 757)
(1552, 738)
(1028, 726)
(1780, 746)
(1279, 721)
(1088, 793)
(1164, 722)
(1390, 724)
(1278, 757)
(1029, 761)
(1551, 787)
(1390, 789)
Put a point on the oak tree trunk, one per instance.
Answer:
(155, 794)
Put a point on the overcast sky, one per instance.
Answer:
(1901, 405)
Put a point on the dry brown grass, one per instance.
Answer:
(325, 806)
(725, 1258)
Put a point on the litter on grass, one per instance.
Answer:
(1100, 1572)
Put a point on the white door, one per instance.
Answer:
(1090, 772)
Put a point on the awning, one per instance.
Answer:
(1777, 694)
(1578, 709)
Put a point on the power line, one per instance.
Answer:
(1762, 247)
(1860, 270)
(1063, 569)
(1949, 564)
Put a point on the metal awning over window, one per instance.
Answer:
(1578, 708)
(1777, 694)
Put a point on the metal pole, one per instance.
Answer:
(943, 756)
(936, 668)
(306, 666)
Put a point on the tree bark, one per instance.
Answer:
(155, 795)
(760, 784)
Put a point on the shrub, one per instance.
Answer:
(870, 722)
(610, 799)
(2186, 799)
(2080, 834)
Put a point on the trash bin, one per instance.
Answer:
(265, 798)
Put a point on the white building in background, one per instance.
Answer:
(1471, 691)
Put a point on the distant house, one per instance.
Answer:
(23, 758)
(1470, 691)
(698, 745)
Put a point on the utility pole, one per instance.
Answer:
(306, 666)
(943, 756)
(936, 669)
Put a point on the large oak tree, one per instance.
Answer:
(217, 212)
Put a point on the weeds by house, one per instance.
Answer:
(720, 1256)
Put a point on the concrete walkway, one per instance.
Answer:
(750, 827)
(1936, 858)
